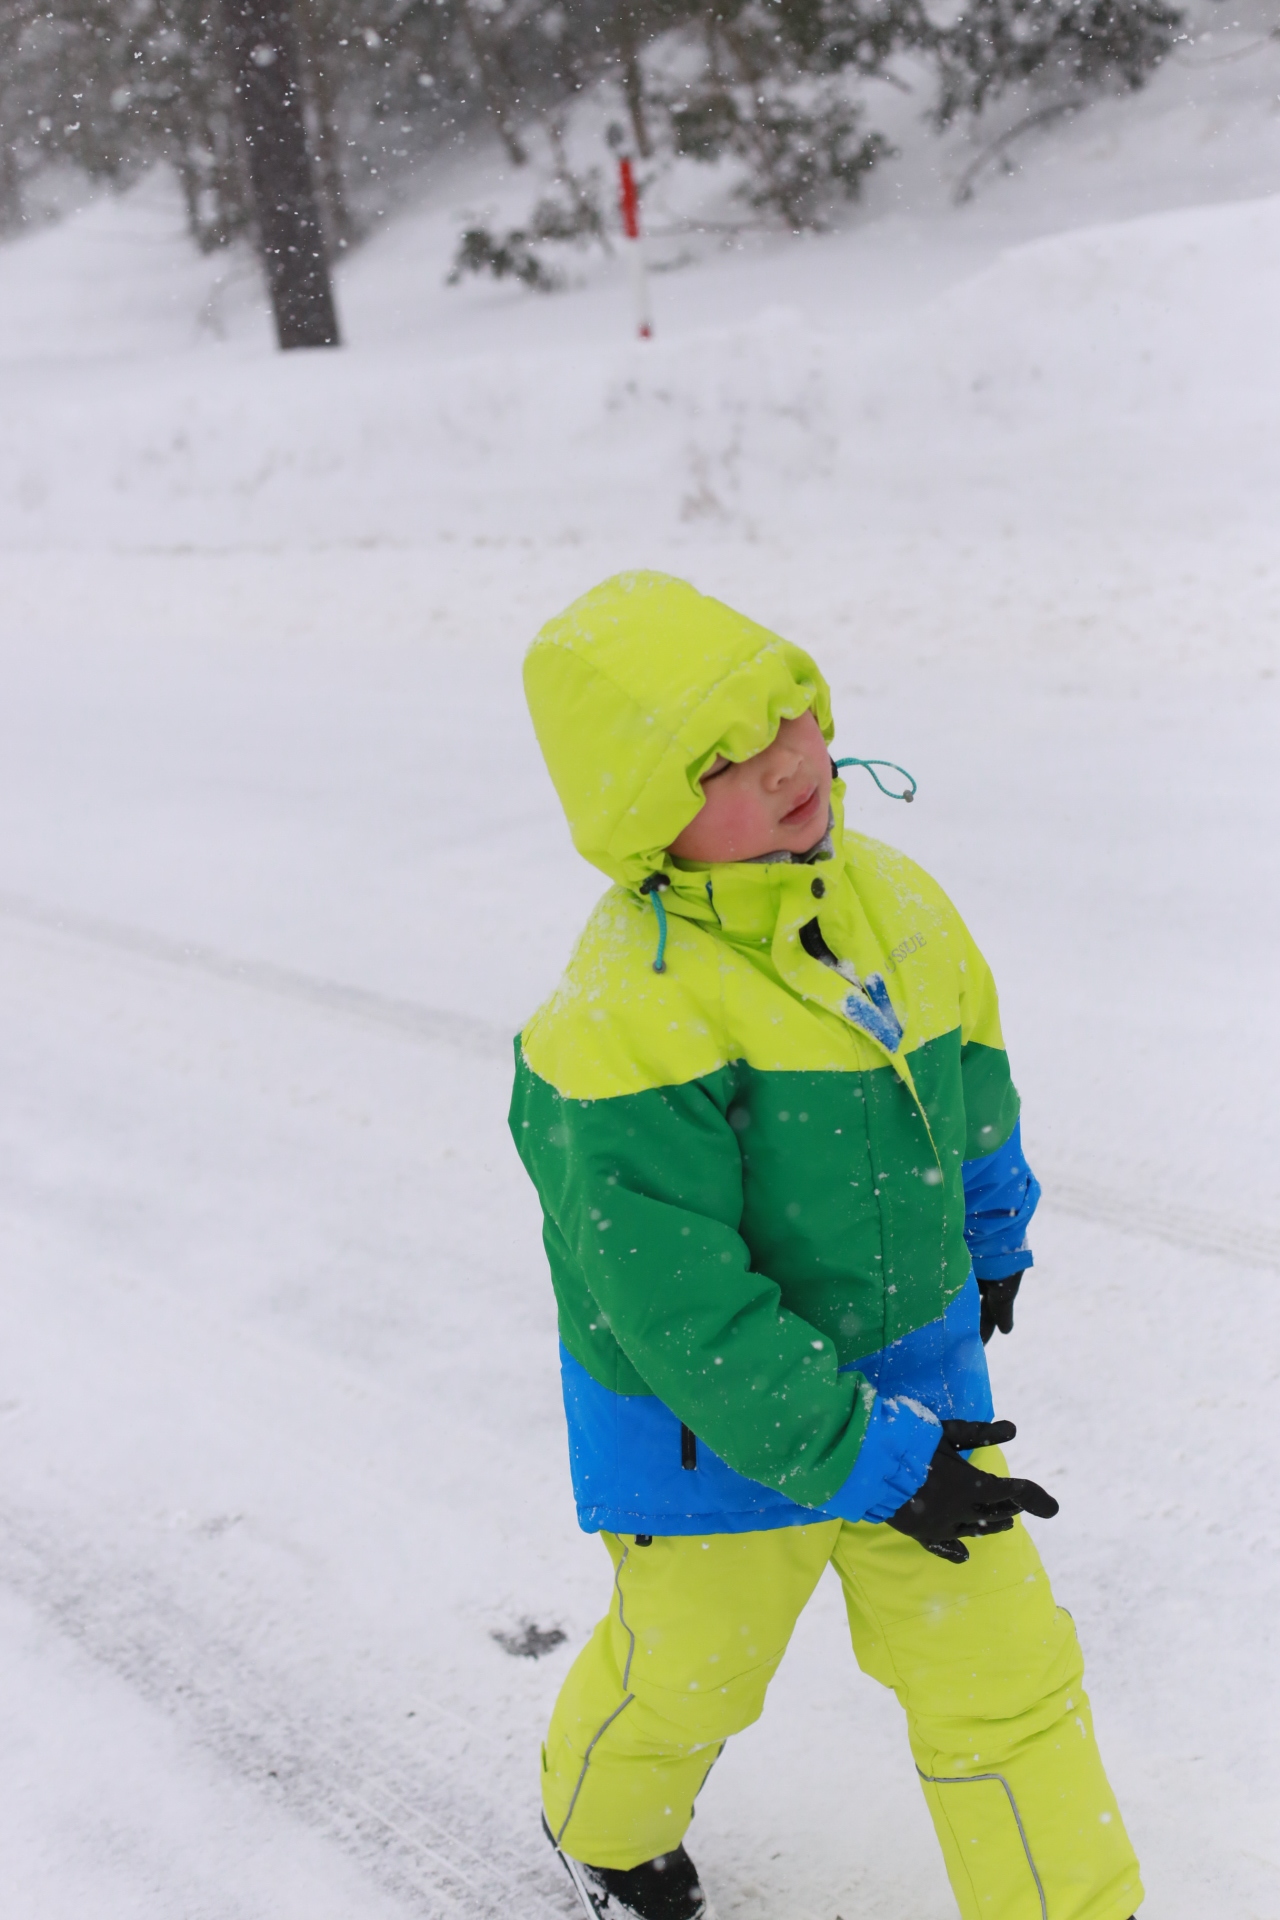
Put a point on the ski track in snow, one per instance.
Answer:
(1191, 1228)
(1124, 1208)
(400, 1815)
(458, 1030)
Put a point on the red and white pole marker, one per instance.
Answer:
(629, 204)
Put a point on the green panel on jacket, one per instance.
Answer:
(729, 1243)
(990, 1099)
(643, 1196)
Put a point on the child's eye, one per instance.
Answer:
(713, 773)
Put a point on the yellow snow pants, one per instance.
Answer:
(988, 1669)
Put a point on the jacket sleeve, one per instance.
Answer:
(1000, 1195)
(642, 1195)
(1000, 1190)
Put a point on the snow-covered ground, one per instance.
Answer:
(280, 873)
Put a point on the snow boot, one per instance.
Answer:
(663, 1889)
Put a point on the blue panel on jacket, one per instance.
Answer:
(625, 1452)
(943, 1365)
(1000, 1195)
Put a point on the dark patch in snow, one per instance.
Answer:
(220, 1523)
(531, 1641)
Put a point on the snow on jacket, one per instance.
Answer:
(766, 1183)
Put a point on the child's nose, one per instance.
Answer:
(784, 764)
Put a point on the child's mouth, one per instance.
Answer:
(798, 814)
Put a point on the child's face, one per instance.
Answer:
(775, 802)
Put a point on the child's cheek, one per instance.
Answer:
(750, 823)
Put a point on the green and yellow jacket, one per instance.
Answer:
(768, 1110)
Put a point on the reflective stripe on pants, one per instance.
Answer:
(987, 1668)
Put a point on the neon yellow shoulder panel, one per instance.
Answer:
(741, 987)
(615, 1026)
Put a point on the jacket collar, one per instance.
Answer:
(745, 899)
(767, 907)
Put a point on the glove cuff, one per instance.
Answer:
(1003, 1266)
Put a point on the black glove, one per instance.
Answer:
(959, 1498)
(998, 1297)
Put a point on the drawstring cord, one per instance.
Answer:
(653, 887)
(871, 765)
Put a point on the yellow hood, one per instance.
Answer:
(634, 690)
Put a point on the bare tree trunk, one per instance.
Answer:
(633, 81)
(10, 187)
(496, 94)
(328, 148)
(189, 181)
(290, 233)
(747, 60)
(11, 201)
(713, 49)
(235, 187)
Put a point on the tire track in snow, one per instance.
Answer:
(460, 1030)
(399, 1813)
(1191, 1229)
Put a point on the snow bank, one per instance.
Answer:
(1068, 379)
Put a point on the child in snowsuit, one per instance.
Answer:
(769, 1115)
